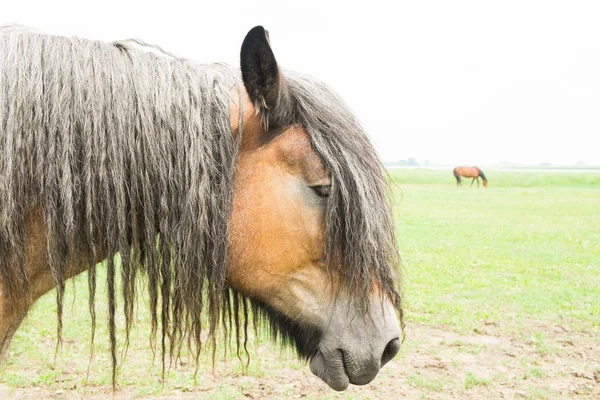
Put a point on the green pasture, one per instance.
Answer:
(522, 252)
(527, 247)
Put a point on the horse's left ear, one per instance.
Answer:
(264, 81)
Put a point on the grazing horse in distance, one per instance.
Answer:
(234, 195)
(469, 172)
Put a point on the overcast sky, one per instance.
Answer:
(447, 81)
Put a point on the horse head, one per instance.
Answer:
(295, 238)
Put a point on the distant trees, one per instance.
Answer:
(409, 162)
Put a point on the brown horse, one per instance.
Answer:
(238, 199)
(469, 172)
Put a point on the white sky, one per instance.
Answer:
(446, 81)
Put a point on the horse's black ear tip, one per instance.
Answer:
(257, 33)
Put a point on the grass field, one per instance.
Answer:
(502, 291)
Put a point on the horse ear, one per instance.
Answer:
(264, 81)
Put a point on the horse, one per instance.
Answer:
(234, 195)
(469, 172)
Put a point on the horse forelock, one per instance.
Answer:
(359, 220)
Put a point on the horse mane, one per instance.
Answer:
(131, 153)
(126, 152)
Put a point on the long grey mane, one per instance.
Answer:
(118, 145)
(130, 152)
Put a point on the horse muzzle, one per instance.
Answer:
(356, 345)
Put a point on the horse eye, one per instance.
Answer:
(322, 190)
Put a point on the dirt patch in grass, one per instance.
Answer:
(546, 362)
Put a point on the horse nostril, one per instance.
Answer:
(390, 351)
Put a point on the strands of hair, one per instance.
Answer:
(360, 225)
(129, 152)
(119, 147)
